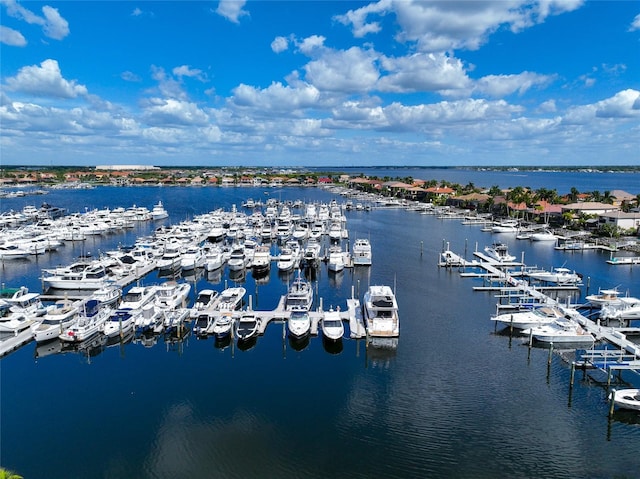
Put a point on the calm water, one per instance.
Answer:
(454, 400)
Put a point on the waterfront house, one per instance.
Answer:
(589, 208)
(620, 219)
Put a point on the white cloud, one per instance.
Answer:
(136, 12)
(46, 81)
(548, 106)
(502, 85)
(55, 26)
(276, 97)
(279, 44)
(635, 24)
(311, 44)
(351, 70)
(424, 72)
(130, 76)
(11, 37)
(168, 86)
(623, 105)
(161, 111)
(187, 71)
(444, 26)
(232, 10)
(52, 23)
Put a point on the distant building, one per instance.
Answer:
(620, 219)
(590, 208)
(127, 167)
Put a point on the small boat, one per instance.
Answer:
(626, 398)
(120, 322)
(148, 319)
(91, 320)
(231, 299)
(174, 319)
(311, 253)
(192, 257)
(361, 252)
(336, 259)
(624, 260)
(248, 326)
(332, 326)
(79, 275)
(544, 235)
(561, 330)
(506, 226)
(222, 326)
(207, 299)
(57, 318)
(499, 252)
(238, 259)
(13, 251)
(299, 324)
(627, 309)
(138, 296)
(213, 258)
(13, 322)
(604, 297)
(299, 296)
(108, 295)
(530, 318)
(558, 275)
(203, 324)
(171, 258)
(286, 260)
(380, 312)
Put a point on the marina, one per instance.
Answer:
(175, 383)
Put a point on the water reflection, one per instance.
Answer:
(332, 347)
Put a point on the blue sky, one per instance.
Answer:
(320, 83)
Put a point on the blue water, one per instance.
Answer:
(455, 399)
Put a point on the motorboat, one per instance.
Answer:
(558, 275)
(247, 326)
(530, 318)
(108, 295)
(380, 312)
(335, 231)
(148, 319)
(206, 299)
(203, 323)
(299, 324)
(499, 252)
(311, 253)
(173, 319)
(138, 296)
(213, 258)
(336, 259)
(238, 259)
(544, 235)
(627, 309)
(171, 259)
(91, 320)
(231, 299)
(57, 318)
(13, 322)
(159, 212)
(286, 260)
(22, 301)
(171, 295)
(361, 253)
(120, 322)
(299, 296)
(261, 261)
(506, 226)
(561, 330)
(604, 297)
(332, 325)
(80, 275)
(222, 326)
(13, 251)
(192, 257)
(626, 398)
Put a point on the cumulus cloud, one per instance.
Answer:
(635, 24)
(623, 105)
(276, 97)
(232, 10)
(130, 76)
(168, 86)
(311, 44)
(45, 80)
(11, 37)
(52, 23)
(502, 85)
(424, 72)
(169, 111)
(445, 26)
(351, 70)
(279, 44)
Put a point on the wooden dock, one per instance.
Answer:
(12, 343)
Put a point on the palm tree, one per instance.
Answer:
(573, 196)
(7, 474)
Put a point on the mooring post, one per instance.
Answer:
(421, 248)
(573, 373)
(611, 402)
(550, 353)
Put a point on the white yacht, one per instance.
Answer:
(261, 261)
(231, 299)
(332, 325)
(336, 259)
(626, 398)
(499, 252)
(286, 259)
(170, 259)
(299, 296)
(247, 326)
(80, 275)
(137, 297)
(506, 226)
(380, 312)
(361, 252)
(626, 310)
(299, 324)
(544, 235)
(57, 318)
(159, 212)
(120, 321)
(171, 295)
(238, 260)
(13, 322)
(207, 299)
(558, 275)
(222, 326)
(561, 330)
(192, 257)
(529, 318)
(311, 253)
(91, 320)
(604, 297)
(213, 258)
